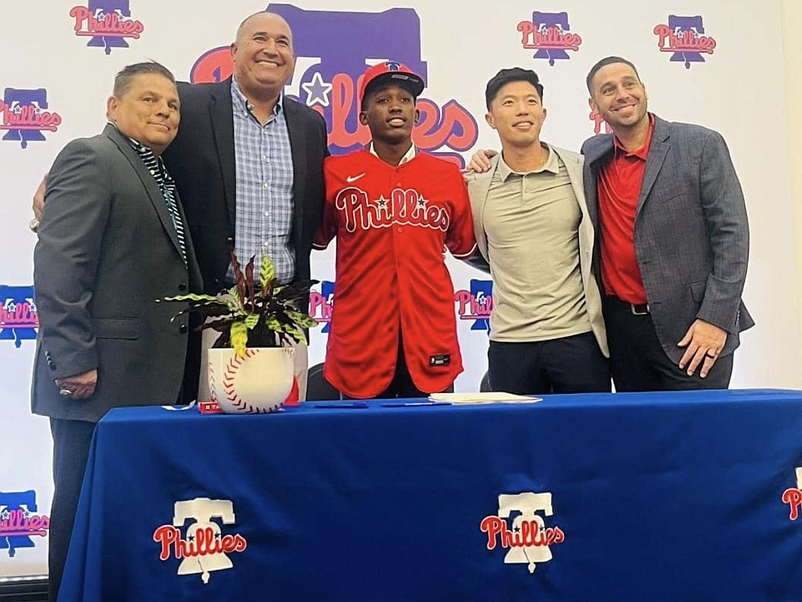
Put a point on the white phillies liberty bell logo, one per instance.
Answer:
(205, 548)
(528, 504)
(203, 510)
(528, 540)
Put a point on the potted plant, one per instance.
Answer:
(250, 369)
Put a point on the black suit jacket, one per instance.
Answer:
(107, 250)
(202, 162)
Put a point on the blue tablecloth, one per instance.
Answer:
(642, 497)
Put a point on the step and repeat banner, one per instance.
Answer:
(717, 63)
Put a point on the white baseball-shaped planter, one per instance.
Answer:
(255, 384)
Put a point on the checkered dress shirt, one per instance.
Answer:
(264, 187)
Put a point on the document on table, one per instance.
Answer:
(478, 398)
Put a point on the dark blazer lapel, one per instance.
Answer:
(594, 153)
(295, 127)
(221, 116)
(148, 181)
(658, 150)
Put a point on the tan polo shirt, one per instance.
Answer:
(532, 225)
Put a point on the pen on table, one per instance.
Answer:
(414, 404)
(340, 405)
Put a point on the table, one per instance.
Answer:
(675, 497)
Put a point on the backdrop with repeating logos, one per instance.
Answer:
(717, 63)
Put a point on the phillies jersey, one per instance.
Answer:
(393, 224)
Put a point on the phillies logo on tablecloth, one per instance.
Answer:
(107, 23)
(404, 207)
(205, 548)
(332, 50)
(322, 303)
(18, 316)
(25, 115)
(683, 38)
(476, 304)
(528, 540)
(19, 521)
(550, 34)
(793, 497)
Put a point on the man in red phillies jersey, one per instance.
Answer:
(393, 211)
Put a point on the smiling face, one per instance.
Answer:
(147, 111)
(263, 56)
(517, 114)
(619, 97)
(389, 113)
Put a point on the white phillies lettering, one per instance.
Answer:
(529, 539)
(405, 207)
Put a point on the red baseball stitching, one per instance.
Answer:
(231, 370)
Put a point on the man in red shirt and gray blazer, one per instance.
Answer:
(674, 240)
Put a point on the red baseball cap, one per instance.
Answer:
(391, 72)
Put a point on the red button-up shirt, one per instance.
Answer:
(619, 185)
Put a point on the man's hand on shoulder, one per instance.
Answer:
(480, 161)
(79, 386)
(703, 342)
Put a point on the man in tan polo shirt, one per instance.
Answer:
(532, 228)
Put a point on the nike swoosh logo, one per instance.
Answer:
(350, 179)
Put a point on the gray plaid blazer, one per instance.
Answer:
(691, 231)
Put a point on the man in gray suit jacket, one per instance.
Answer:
(111, 243)
(674, 240)
(532, 227)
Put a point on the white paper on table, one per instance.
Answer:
(488, 397)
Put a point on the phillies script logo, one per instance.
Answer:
(793, 497)
(107, 23)
(405, 207)
(598, 122)
(204, 549)
(19, 521)
(25, 116)
(332, 50)
(549, 34)
(476, 304)
(321, 304)
(683, 38)
(18, 316)
(529, 539)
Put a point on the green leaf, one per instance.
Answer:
(267, 272)
(194, 297)
(251, 321)
(295, 333)
(273, 324)
(239, 338)
(301, 319)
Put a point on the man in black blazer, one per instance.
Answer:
(204, 157)
(248, 163)
(674, 240)
(111, 243)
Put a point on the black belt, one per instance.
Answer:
(636, 309)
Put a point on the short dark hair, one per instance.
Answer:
(123, 79)
(608, 60)
(505, 76)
